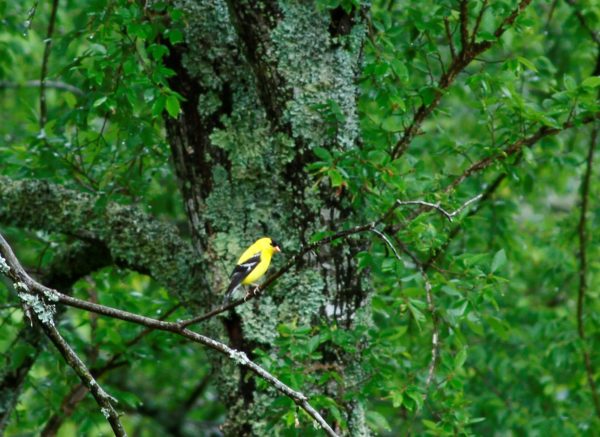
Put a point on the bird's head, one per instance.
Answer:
(269, 244)
(275, 245)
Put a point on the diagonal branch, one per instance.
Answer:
(9, 265)
(583, 268)
(516, 147)
(448, 215)
(68, 265)
(38, 309)
(78, 392)
(468, 52)
(103, 399)
(369, 227)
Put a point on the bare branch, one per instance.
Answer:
(10, 266)
(435, 336)
(428, 205)
(78, 392)
(388, 242)
(103, 399)
(583, 268)
(271, 279)
(311, 247)
(39, 309)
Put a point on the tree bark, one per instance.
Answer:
(258, 80)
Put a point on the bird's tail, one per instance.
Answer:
(229, 293)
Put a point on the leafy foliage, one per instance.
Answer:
(493, 348)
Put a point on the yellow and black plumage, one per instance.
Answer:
(252, 265)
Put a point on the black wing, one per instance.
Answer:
(240, 272)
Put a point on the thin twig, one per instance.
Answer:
(478, 21)
(464, 25)
(516, 147)
(31, 15)
(78, 392)
(271, 279)
(9, 265)
(56, 84)
(435, 336)
(311, 247)
(583, 268)
(449, 36)
(387, 241)
(44, 70)
(449, 215)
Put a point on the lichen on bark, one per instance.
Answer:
(266, 80)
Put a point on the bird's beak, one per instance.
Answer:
(277, 249)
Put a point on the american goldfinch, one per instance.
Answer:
(252, 265)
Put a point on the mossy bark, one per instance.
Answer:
(255, 76)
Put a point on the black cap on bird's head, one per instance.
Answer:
(275, 245)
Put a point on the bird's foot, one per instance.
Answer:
(255, 291)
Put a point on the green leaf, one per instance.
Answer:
(392, 124)
(323, 153)
(591, 82)
(460, 358)
(70, 100)
(413, 305)
(377, 421)
(158, 106)
(428, 94)
(527, 63)
(336, 177)
(569, 83)
(172, 105)
(499, 260)
(99, 101)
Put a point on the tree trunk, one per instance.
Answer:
(261, 81)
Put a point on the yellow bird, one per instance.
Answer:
(252, 265)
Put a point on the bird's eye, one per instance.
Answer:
(274, 243)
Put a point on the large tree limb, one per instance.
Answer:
(133, 238)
